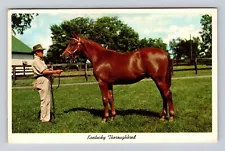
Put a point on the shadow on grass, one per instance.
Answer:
(121, 112)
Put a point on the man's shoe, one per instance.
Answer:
(52, 121)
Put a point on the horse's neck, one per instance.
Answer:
(93, 52)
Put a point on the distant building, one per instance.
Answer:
(21, 53)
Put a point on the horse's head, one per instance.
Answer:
(73, 46)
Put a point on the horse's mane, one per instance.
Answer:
(97, 45)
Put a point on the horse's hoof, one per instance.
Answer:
(162, 118)
(171, 119)
(111, 119)
(104, 120)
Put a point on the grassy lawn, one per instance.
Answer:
(79, 108)
(28, 82)
(192, 67)
(191, 73)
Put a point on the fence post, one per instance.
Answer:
(86, 77)
(195, 64)
(171, 66)
(14, 75)
(23, 69)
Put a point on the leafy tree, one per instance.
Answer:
(157, 43)
(21, 22)
(185, 49)
(196, 47)
(173, 46)
(143, 43)
(110, 32)
(114, 34)
(206, 35)
(62, 33)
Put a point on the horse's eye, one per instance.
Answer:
(73, 43)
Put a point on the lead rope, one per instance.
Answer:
(53, 101)
(58, 82)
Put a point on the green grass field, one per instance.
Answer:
(192, 67)
(28, 82)
(79, 108)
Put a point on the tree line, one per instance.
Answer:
(114, 34)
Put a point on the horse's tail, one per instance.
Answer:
(169, 71)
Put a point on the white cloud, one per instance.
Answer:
(161, 25)
(39, 34)
(182, 32)
(46, 42)
(53, 12)
(70, 16)
(165, 26)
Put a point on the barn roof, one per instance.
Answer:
(19, 47)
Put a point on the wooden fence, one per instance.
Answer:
(194, 63)
(25, 71)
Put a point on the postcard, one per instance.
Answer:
(112, 75)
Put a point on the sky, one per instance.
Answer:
(160, 23)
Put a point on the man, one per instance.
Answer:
(42, 83)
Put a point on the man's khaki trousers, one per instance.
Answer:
(42, 84)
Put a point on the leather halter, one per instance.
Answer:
(78, 45)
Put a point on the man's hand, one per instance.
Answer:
(58, 71)
(47, 72)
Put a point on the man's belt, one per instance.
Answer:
(38, 76)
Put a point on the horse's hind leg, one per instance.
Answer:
(166, 94)
(111, 102)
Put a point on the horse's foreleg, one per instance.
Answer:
(111, 102)
(104, 91)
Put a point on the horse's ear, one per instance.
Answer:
(71, 35)
(76, 35)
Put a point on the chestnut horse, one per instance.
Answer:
(111, 67)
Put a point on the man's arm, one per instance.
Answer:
(47, 71)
